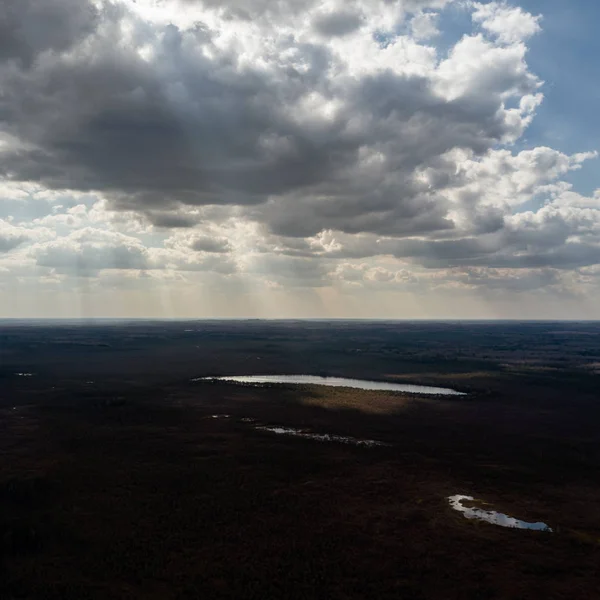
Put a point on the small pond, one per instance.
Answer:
(360, 384)
(320, 437)
(491, 516)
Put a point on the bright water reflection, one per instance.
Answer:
(337, 382)
(491, 516)
(321, 437)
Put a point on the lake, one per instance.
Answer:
(360, 384)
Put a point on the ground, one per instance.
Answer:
(117, 482)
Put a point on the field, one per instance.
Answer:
(122, 478)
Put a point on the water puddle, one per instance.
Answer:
(320, 437)
(491, 516)
(336, 382)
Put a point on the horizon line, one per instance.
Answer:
(305, 319)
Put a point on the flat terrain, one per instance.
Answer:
(117, 480)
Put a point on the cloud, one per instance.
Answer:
(207, 244)
(11, 237)
(509, 23)
(160, 117)
(201, 261)
(31, 27)
(199, 242)
(374, 276)
(287, 270)
(338, 23)
(457, 278)
(423, 26)
(171, 220)
(249, 10)
(89, 250)
(297, 142)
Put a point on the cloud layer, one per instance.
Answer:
(282, 145)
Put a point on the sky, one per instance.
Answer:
(405, 159)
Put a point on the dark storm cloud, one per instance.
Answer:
(367, 211)
(29, 27)
(195, 126)
(209, 244)
(172, 220)
(111, 122)
(411, 126)
(520, 245)
(523, 248)
(441, 253)
(567, 256)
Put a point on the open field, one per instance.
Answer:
(117, 482)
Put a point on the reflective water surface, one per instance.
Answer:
(491, 516)
(337, 382)
(321, 437)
